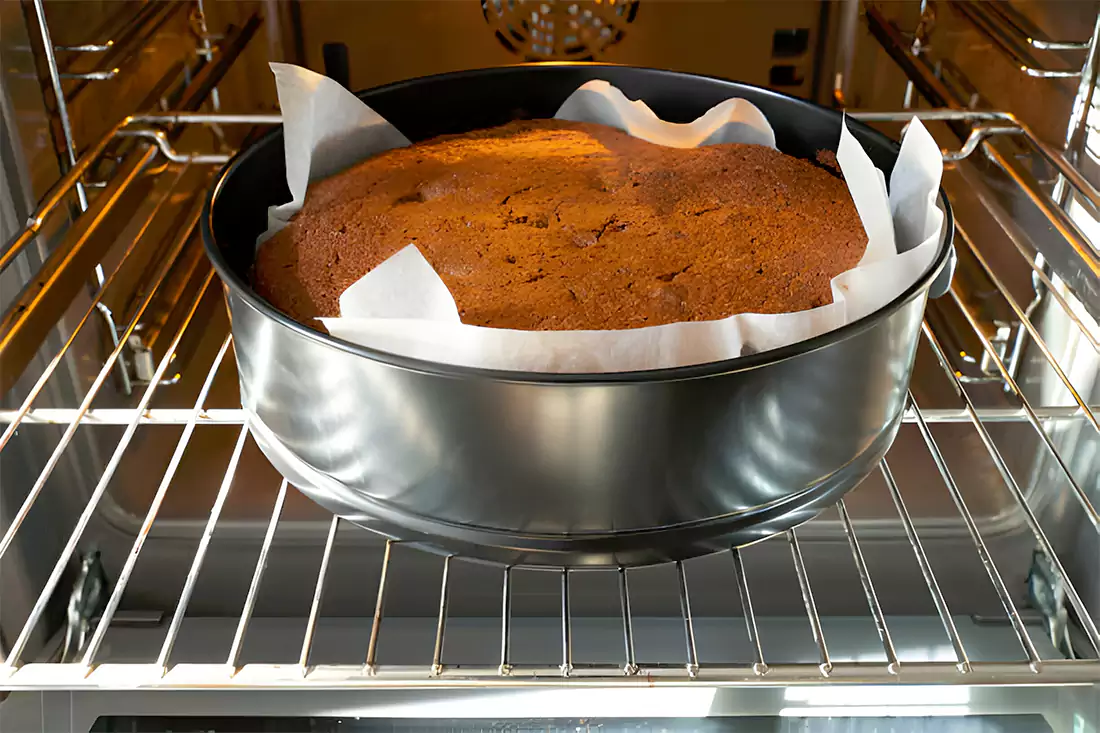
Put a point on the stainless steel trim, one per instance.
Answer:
(335, 677)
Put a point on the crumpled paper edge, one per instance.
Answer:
(339, 130)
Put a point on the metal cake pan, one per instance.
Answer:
(565, 469)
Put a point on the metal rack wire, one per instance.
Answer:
(160, 672)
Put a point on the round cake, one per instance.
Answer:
(550, 225)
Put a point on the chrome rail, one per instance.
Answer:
(1024, 30)
(1008, 38)
(1070, 253)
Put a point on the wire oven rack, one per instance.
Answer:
(228, 672)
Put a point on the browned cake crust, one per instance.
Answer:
(546, 225)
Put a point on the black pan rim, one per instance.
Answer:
(242, 289)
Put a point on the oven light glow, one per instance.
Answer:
(879, 695)
(671, 702)
(876, 711)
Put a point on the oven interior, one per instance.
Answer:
(148, 544)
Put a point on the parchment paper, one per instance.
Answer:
(402, 306)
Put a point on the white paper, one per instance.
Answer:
(403, 307)
(732, 121)
(328, 130)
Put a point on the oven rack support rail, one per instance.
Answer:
(1070, 254)
(19, 673)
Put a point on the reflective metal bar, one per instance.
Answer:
(207, 49)
(15, 417)
(940, 114)
(318, 595)
(506, 623)
(892, 663)
(1082, 496)
(441, 621)
(35, 310)
(689, 627)
(229, 48)
(826, 665)
(154, 509)
(87, 47)
(121, 416)
(991, 124)
(1053, 291)
(220, 118)
(200, 553)
(1034, 332)
(1085, 617)
(352, 677)
(845, 50)
(379, 607)
(976, 137)
(101, 487)
(55, 196)
(131, 42)
(1006, 44)
(566, 667)
(233, 660)
(1075, 259)
(59, 97)
(104, 75)
(93, 390)
(1077, 129)
(1031, 35)
(962, 660)
(160, 137)
(631, 666)
(979, 543)
(1071, 254)
(236, 415)
(759, 667)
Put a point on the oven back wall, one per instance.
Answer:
(389, 40)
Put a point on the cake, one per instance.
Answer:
(547, 225)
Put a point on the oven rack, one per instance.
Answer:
(227, 672)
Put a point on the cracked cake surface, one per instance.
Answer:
(545, 224)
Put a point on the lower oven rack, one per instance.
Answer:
(226, 670)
